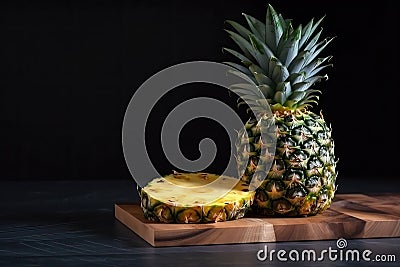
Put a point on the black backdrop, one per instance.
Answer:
(70, 68)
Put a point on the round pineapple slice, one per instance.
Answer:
(186, 198)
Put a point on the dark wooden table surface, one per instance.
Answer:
(71, 223)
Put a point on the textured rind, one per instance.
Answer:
(302, 179)
(233, 206)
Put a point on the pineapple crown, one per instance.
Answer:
(280, 60)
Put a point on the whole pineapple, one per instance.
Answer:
(283, 63)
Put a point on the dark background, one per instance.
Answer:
(70, 68)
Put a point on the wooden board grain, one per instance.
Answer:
(350, 216)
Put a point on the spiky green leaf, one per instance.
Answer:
(318, 48)
(260, 77)
(267, 91)
(308, 31)
(243, 44)
(298, 62)
(246, 78)
(290, 46)
(313, 41)
(301, 86)
(240, 29)
(246, 61)
(297, 96)
(279, 97)
(256, 27)
(239, 67)
(280, 73)
(274, 28)
(284, 87)
(245, 88)
(261, 46)
(249, 48)
(316, 70)
(310, 67)
(295, 78)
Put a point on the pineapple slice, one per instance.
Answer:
(195, 198)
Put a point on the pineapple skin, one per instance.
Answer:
(302, 178)
(234, 205)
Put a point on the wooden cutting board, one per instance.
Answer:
(350, 216)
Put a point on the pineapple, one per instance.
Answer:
(186, 198)
(283, 64)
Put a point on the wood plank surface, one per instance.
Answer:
(350, 216)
